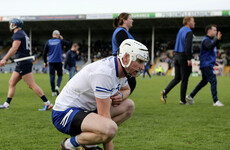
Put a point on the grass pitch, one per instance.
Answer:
(153, 126)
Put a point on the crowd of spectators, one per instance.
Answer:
(101, 49)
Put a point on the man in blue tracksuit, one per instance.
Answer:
(182, 60)
(53, 48)
(207, 62)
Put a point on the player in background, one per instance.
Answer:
(53, 48)
(147, 67)
(95, 101)
(122, 24)
(70, 60)
(21, 48)
(207, 62)
(182, 60)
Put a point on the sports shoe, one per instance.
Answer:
(57, 90)
(2, 106)
(189, 99)
(62, 146)
(163, 96)
(54, 93)
(184, 103)
(218, 103)
(46, 107)
(95, 147)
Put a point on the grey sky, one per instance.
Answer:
(73, 7)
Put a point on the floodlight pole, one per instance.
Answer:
(153, 41)
(89, 41)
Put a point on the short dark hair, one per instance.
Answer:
(208, 27)
(118, 21)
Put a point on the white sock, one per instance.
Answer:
(68, 144)
(47, 103)
(6, 104)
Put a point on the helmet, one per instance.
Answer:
(135, 49)
(15, 23)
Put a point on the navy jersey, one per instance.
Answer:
(70, 60)
(24, 48)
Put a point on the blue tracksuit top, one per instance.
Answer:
(114, 40)
(180, 39)
(207, 57)
(55, 50)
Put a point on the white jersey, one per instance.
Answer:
(99, 79)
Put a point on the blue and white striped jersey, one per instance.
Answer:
(99, 79)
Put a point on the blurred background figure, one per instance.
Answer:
(70, 60)
(160, 71)
(147, 67)
(53, 48)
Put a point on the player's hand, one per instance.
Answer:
(116, 99)
(45, 65)
(2, 62)
(189, 62)
(61, 37)
(219, 35)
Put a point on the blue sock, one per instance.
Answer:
(74, 142)
(44, 98)
(8, 100)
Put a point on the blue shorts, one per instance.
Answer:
(69, 121)
(23, 68)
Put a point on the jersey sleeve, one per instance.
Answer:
(102, 85)
(125, 82)
(17, 37)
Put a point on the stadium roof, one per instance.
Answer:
(76, 7)
(151, 15)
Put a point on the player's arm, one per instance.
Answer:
(103, 109)
(66, 43)
(120, 37)
(120, 96)
(208, 45)
(46, 50)
(125, 91)
(11, 52)
(188, 47)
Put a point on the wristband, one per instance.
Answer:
(121, 95)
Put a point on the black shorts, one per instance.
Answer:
(75, 127)
(23, 68)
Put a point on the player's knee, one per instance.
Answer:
(29, 86)
(11, 83)
(109, 131)
(130, 108)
